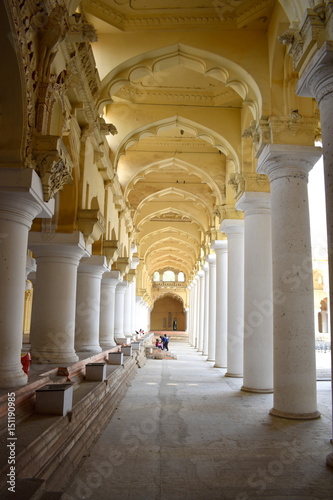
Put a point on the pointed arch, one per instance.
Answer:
(202, 61)
(197, 130)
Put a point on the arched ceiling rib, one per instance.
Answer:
(179, 103)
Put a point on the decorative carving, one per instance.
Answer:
(49, 36)
(111, 249)
(106, 128)
(52, 163)
(91, 223)
(288, 37)
(248, 182)
(170, 217)
(300, 42)
(122, 264)
(260, 133)
(80, 30)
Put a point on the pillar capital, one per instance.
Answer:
(201, 274)
(22, 196)
(121, 287)
(254, 203)
(96, 265)
(111, 278)
(68, 245)
(211, 259)
(317, 79)
(232, 227)
(285, 160)
(219, 245)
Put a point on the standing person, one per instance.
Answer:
(166, 342)
(162, 341)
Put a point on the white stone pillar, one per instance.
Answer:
(54, 304)
(30, 268)
(201, 308)
(119, 312)
(134, 325)
(127, 310)
(317, 82)
(107, 311)
(187, 316)
(197, 311)
(21, 200)
(194, 312)
(211, 259)
(234, 229)
(206, 311)
(221, 251)
(287, 167)
(258, 292)
(88, 300)
(139, 312)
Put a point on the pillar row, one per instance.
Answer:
(287, 168)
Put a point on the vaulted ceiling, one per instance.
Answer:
(178, 109)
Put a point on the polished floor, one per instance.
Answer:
(186, 432)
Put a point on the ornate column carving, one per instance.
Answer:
(287, 168)
(52, 163)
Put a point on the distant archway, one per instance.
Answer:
(168, 314)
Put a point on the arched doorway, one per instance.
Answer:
(168, 314)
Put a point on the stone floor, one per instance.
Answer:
(186, 432)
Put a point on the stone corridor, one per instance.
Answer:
(186, 432)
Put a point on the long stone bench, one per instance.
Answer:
(49, 447)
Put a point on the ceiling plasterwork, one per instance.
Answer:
(129, 15)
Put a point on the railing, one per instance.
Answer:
(169, 284)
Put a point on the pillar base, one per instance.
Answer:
(88, 348)
(234, 375)
(211, 360)
(121, 340)
(294, 416)
(329, 460)
(219, 366)
(13, 378)
(260, 391)
(108, 345)
(44, 357)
